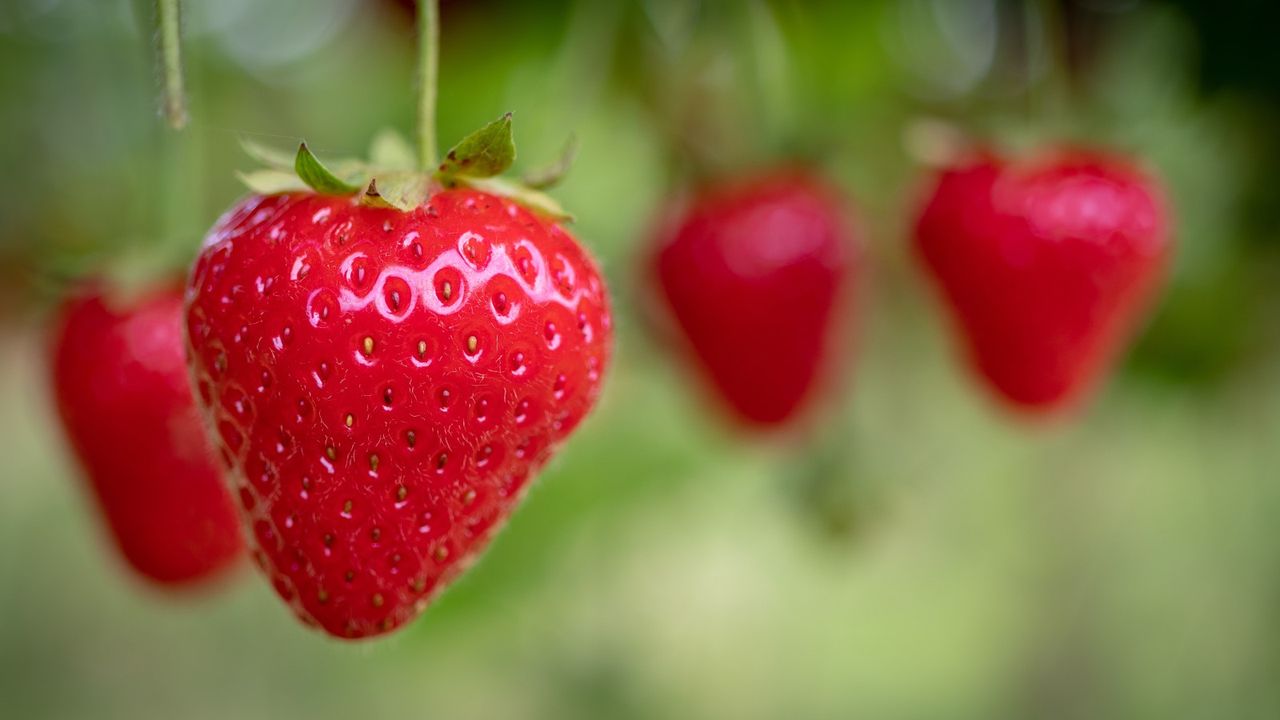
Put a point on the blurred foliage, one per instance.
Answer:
(922, 555)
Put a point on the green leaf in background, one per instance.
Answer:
(318, 177)
(271, 182)
(390, 151)
(533, 199)
(549, 175)
(484, 153)
(274, 158)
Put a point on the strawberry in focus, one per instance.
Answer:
(754, 272)
(1048, 266)
(120, 381)
(385, 383)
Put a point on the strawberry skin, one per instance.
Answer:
(753, 273)
(120, 383)
(383, 385)
(1047, 265)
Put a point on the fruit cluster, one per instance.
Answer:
(1046, 264)
(381, 385)
(374, 361)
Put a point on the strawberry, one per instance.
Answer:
(1047, 264)
(385, 378)
(120, 382)
(753, 272)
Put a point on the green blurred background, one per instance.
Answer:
(921, 554)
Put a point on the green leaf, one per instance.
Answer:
(484, 153)
(271, 182)
(318, 177)
(527, 196)
(549, 175)
(271, 157)
(390, 151)
(372, 196)
(401, 190)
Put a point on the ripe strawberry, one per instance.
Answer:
(120, 382)
(753, 272)
(1047, 264)
(384, 384)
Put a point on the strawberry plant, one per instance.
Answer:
(387, 353)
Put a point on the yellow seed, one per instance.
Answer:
(350, 419)
(377, 599)
(331, 452)
(422, 348)
(402, 492)
(373, 462)
(322, 596)
(346, 507)
(368, 345)
(447, 290)
(472, 343)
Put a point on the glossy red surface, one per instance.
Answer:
(120, 382)
(1047, 266)
(386, 384)
(754, 272)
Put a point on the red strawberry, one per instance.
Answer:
(1048, 265)
(121, 386)
(384, 384)
(753, 272)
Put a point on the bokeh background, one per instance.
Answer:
(919, 553)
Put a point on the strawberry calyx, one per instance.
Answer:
(390, 178)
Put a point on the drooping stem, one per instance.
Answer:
(428, 71)
(1050, 90)
(169, 56)
(766, 50)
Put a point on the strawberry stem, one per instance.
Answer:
(428, 70)
(169, 57)
(1050, 93)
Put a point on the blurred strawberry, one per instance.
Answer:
(122, 393)
(754, 272)
(1047, 264)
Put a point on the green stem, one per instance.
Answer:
(169, 53)
(1051, 92)
(770, 91)
(428, 70)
